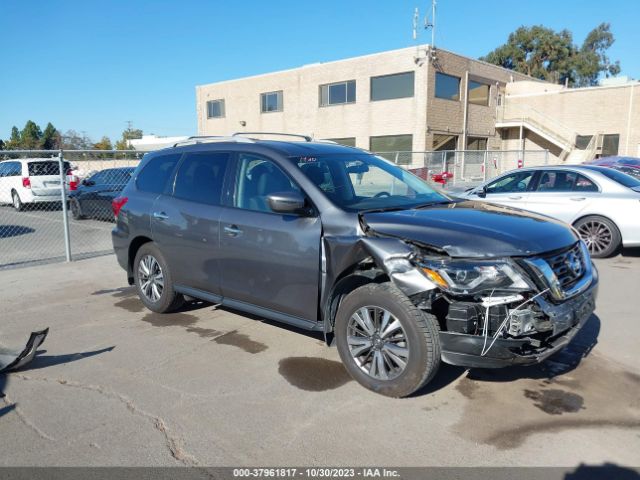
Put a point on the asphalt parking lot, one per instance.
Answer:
(118, 385)
(36, 235)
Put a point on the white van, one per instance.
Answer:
(31, 180)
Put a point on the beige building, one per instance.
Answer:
(574, 124)
(413, 99)
(424, 99)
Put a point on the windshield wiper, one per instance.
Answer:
(386, 209)
(431, 204)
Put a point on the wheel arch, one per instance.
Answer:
(134, 246)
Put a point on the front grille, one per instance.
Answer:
(569, 266)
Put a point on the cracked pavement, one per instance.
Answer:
(115, 384)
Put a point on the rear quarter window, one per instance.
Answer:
(42, 169)
(156, 174)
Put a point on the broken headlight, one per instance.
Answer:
(469, 277)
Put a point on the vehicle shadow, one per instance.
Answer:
(7, 231)
(630, 252)
(604, 471)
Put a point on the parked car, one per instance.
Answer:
(27, 181)
(634, 172)
(93, 196)
(603, 204)
(337, 240)
(616, 161)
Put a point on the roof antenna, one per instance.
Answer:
(431, 24)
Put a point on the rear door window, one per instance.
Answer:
(201, 176)
(155, 175)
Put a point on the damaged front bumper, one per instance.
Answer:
(567, 317)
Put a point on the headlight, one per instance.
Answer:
(469, 277)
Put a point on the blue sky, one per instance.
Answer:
(92, 65)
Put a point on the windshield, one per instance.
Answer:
(366, 182)
(46, 168)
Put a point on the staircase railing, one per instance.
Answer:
(545, 123)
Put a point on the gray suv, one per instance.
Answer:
(335, 239)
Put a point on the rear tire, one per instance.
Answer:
(601, 235)
(76, 210)
(17, 203)
(404, 346)
(153, 280)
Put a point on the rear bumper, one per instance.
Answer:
(569, 317)
(31, 198)
(121, 247)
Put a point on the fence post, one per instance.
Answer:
(546, 156)
(65, 217)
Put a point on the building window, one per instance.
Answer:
(391, 143)
(610, 143)
(583, 141)
(347, 141)
(387, 87)
(271, 102)
(215, 108)
(478, 93)
(476, 143)
(447, 86)
(444, 142)
(338, 93)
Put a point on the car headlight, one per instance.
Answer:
(468, 277)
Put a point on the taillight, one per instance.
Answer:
(117, 204)
(26, 183)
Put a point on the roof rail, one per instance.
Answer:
(244, 134)
(212, 138)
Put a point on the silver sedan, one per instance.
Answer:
(603, 204)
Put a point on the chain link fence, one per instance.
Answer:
(56, 205)
(461, 169)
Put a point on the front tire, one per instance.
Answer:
(600, 234)
(386, 343)
(17, 203)
(154, 282)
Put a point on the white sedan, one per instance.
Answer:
(603, 204)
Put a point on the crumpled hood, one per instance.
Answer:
(474, 229)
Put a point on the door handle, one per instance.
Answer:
(578, 199)
(160, 215)
(232, 230)
(516, 197)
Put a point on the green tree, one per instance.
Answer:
(30, 136)
(549, 55)
(128, 134)
(103, 144)
(592, 60)
(15, 141)
(50, 138)
(1, 144)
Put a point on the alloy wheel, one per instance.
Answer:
(596, 235)
(150, 278)
(377, 342)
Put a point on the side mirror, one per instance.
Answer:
(88, 183)
(286, 202)
(482, 193)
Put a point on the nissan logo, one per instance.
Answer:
(574, 264)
